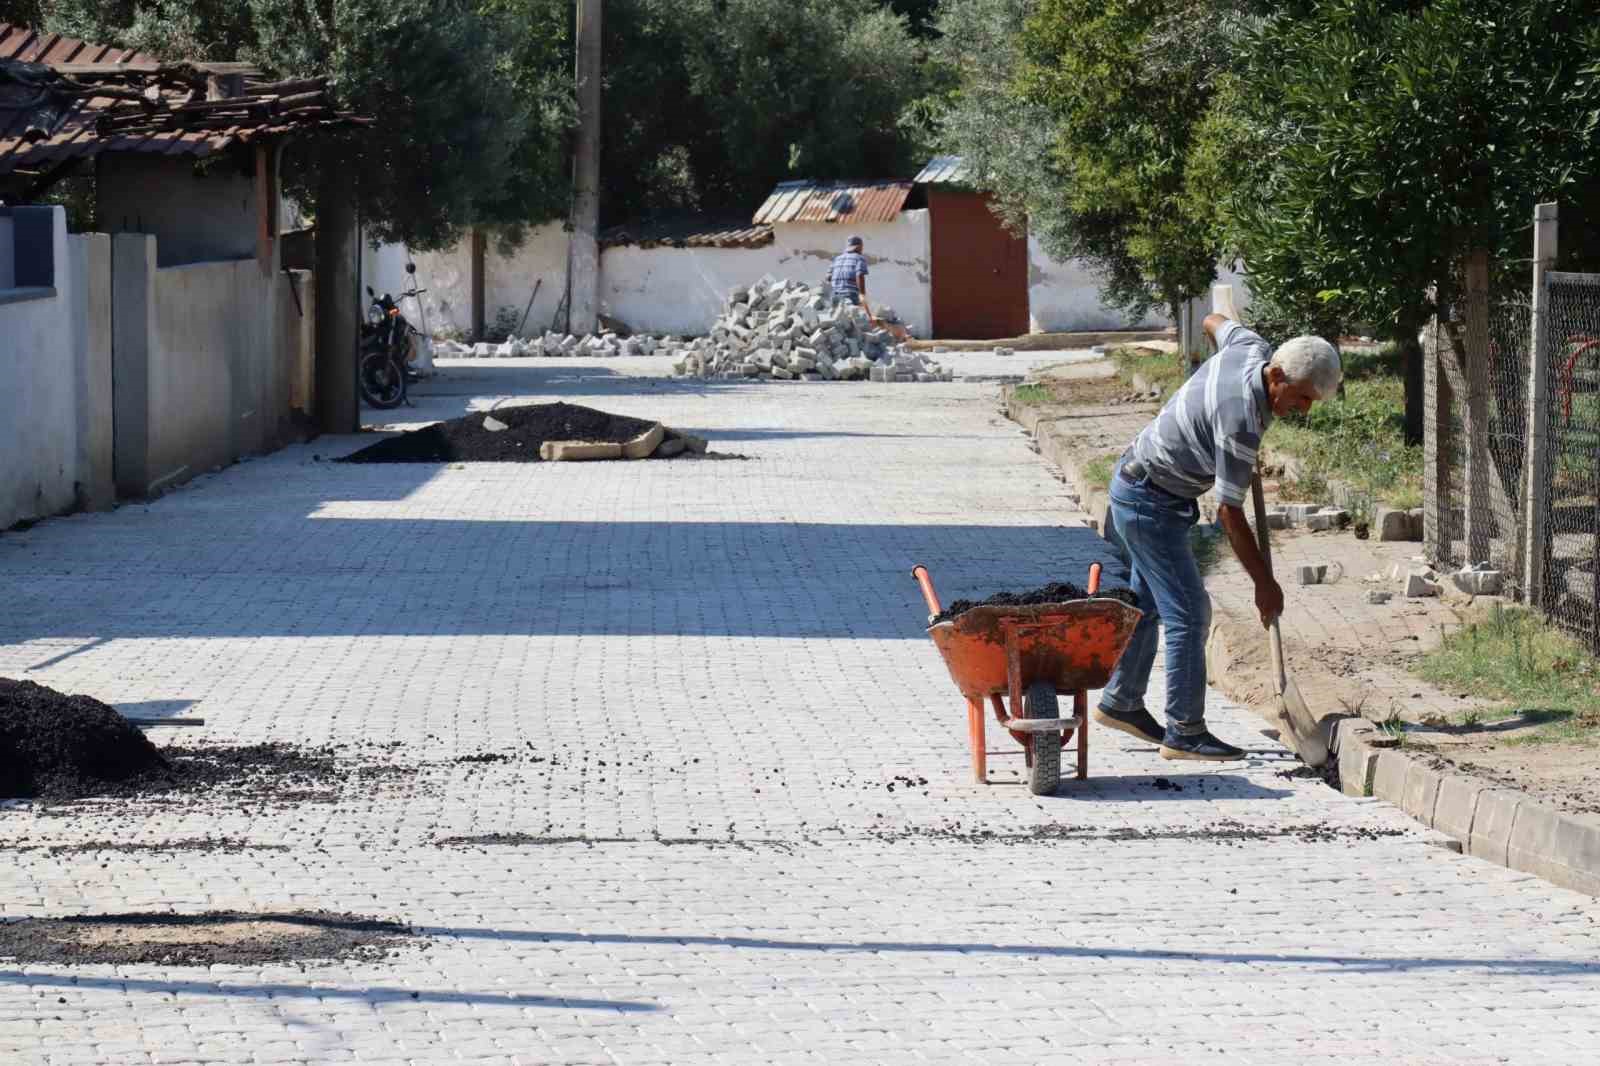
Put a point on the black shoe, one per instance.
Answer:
(1198, 747)
(1135, 723)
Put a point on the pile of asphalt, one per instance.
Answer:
(468, 440)
(56, 746)
(1056, 592)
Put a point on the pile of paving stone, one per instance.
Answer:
(606, 345)
(773, 329)
(791, 331)
(1056, 592)
(530, 433)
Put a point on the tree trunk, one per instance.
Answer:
(338, 281)
(1411, 367)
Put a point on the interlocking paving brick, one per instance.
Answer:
(726, 661)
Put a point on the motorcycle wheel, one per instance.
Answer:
(383, 384)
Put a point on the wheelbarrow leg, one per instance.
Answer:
(1080, 707)
(977, 741)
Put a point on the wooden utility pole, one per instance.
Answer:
(583, 257)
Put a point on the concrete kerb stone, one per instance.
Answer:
(1492, 821)
(574, 451)
(1457, 805)
(1420, 791)
(1555, 846)
(644, 444)
(1498, 825)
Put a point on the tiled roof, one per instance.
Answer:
(687, 233)
(813, 201)
(62, 99)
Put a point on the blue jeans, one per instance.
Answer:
(1151, 526)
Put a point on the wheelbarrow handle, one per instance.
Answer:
(925, 580)
(1094, 578)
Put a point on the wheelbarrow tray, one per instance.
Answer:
(1075, 645)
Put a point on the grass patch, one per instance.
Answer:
(1358, 437)
(1159, 370)
(1028, 395)
(1097, 471)
(1544, 676)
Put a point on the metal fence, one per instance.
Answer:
(1569, 496)
(1512, 444)
(1476, 438)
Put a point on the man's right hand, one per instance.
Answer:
(1269, 601)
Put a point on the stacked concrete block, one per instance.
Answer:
(789, 331)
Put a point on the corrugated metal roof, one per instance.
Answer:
(688, 233)
(943, 169)
(92, 89)
(814, 201)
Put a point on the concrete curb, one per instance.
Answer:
(1500, 825)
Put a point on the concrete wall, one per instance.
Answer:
(204, 364)
(55, 363)
(681, 290)
(1065, 298)
(195, 217)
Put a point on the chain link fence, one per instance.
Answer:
(1476, 382)
(1570, 495)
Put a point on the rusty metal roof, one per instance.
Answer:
(942, 170)
(99, 98)
(845, 201)
(696, 232)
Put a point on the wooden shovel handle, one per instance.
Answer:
(1275, 638)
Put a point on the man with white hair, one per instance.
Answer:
(1207, 434)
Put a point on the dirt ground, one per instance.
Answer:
(1348, 656)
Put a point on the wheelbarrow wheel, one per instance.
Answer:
(1044, 763)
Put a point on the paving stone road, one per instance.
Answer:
(722, 667)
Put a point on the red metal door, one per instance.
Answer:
(980, 271)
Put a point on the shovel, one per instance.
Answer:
(1302, 730)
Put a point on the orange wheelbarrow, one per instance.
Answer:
(1024, 658)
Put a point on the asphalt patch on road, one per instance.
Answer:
(1056, 592)
(207, 939)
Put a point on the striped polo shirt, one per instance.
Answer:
(1210, 430)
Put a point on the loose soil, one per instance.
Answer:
(55, 745)
(465, 439)
(1056, 592)
(58, 748)
(207, 939)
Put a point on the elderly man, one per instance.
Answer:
(847, 278)
(1208, 433)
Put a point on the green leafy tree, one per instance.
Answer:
(464, 123)
(1355, 176)
(1125, 84)
(708, 103)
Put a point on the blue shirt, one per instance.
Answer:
(1210, 431)
(842, 277)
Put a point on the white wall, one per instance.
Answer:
(55, 365)
(683, 290)
(218, 382)
(1065, 298)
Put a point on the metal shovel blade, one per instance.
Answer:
(1301, 730)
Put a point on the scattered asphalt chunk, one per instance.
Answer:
(1056, 592)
